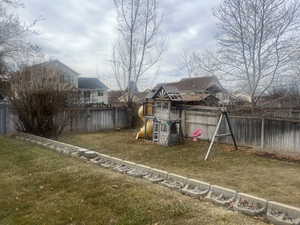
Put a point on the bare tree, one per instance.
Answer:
(204, 63)
(13, 35)
(139, 46)
(258, 39)
(189, 65)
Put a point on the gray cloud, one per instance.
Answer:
(81, 33)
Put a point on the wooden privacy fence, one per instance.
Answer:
(3, 118)
(82, 120)
(94, 119)
(268, 134)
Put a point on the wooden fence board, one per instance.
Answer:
(93, 120)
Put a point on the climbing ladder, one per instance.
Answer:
(156, 129)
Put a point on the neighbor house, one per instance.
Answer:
(120, 98)
(114, 98)
(137, 97)
(197, 91)
(65, 73)
(92, 91)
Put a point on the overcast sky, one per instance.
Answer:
(80, 33)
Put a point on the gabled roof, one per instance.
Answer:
(55, 65)
(197, 84)
(91, 83)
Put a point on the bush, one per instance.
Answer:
(40, 98)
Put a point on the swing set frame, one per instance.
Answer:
(223, 115)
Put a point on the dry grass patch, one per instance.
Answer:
(38, 186)
(241, 170)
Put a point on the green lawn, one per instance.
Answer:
(40, 187)
(241, 170)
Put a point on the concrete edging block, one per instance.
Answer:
(250, 205)
(90, 154)
(222, 196)
(81, 151)
(161, 173)
(281, 214)
(113, 159)
(104, 157)
(175, 182)
(156, 175)
(143, 168)
(129, 164)
(199, 183)
(196, 188)
(178, 178)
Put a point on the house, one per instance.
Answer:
(92, 91)
(120, 98)
(67, 75)
(197, 91)
(137, 97)
(169, 99)
(113, 98)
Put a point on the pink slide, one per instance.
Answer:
(197, 133)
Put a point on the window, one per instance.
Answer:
(157, 107)
(165, 106)
(87, 94)
(100, 93)
(61, 78)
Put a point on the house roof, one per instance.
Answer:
(55, 65)
(90, 83)
(195, 97)
(188, 89)
(121, 96)
(196, 84)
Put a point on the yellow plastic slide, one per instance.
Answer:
(141, 133)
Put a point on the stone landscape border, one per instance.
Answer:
(274, 212)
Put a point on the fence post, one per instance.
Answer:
(87, 120)
(262, 139)
(183, 123)
(6, 119)
(114, 116)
